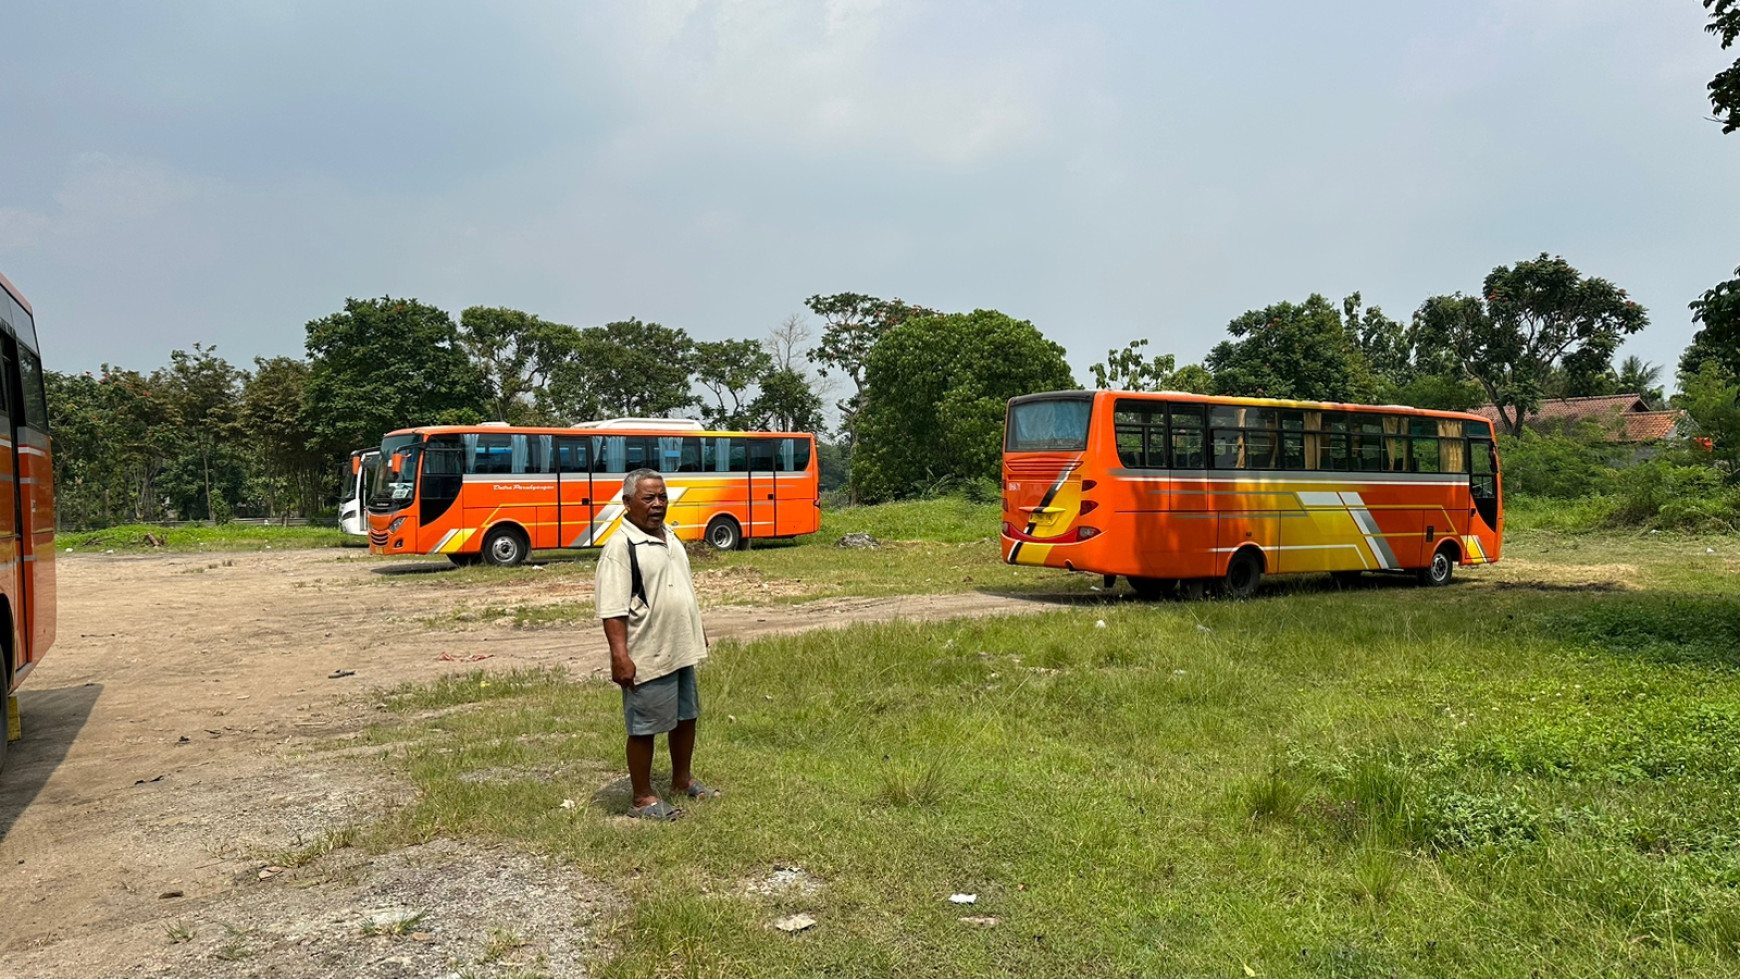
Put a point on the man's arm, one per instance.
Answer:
(621, 667)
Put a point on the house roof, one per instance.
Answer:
(1624, 417)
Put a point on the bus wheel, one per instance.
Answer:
(1243, 573)
(505, 547)
(1438, 573)
(724, 534)
(1150, 589)
(464, 560)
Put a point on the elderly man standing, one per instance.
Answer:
(652, 621)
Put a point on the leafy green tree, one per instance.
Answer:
(1718, 338)
(111, 439)
(786, 403)
(1533, 315)
(1710, 397)
(276, 435)
(936, 391)
(515, 351)
(624, 369)
(852, 325)
(383, 364)
(1129, 370)
(200, 391)
(728, 369)
(1725, 87)
(1405, 369)
(1292, 351)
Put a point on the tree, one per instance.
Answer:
(729, 368)
(383, 364)
(1725, 87)
(1718, 337)
(200, 390)
(624, 369)
(786, 403)
(853, 323)
(1710, 397)
(1128, 370)
(515, 351)
(1638, 376)
(936, 391)
(1292, 351)
(1532, 316)
(111, 441)
(786, 342)
(273, 421)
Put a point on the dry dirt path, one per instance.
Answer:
(164, 753)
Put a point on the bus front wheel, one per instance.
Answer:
(724, 534)
(505, 547)
(1438, 573)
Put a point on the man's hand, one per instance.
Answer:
(621, 669)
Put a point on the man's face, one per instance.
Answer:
(646, 507)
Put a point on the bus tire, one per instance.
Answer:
(506, 547)
(724, 534)
(1442, 569)
(1243, 573)
(464, 560)
(1152, 589)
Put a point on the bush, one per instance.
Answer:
(1674, 497)
(1558, 466)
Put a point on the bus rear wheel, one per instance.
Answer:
(724, 534)
(1243, 573)
(1151, 589)
(1439, 572)
(505, 547)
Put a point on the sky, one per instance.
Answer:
(224, 172)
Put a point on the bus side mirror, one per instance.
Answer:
(398, 462)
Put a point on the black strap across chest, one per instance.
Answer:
(636, 585)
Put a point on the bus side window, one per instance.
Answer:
(609, 453)
(691, 455)
(787, 455)
(542, 457)
(739, 459)
(800, 455)
(35, 396)
(1185, 436)
(762, 452)
(489, 454)
(572, 456)
(715, 455)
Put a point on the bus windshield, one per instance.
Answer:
(1049, 425)
(390, 489)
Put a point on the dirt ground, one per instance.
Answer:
(165, 760)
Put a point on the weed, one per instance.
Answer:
(392, 926)
(502, 941)
(180, 933)
(300, 853)
(920, 787)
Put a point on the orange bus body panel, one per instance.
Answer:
(1085, 511)
(583, 509)
(27, 550)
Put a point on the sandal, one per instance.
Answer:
(698, 791)
(657, 809)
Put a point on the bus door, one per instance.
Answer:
(763, 487)
(796, 493)
(12, 533)
(574, 489)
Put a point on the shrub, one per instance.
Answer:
(1674, 497)
(1557, 466)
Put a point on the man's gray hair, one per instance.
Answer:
(631, 482)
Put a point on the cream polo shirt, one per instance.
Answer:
(664, 633)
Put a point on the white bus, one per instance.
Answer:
(352, 512)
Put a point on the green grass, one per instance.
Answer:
(226, 537)
(1471, 781)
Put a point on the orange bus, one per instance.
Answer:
(27, 509)
(494, 493)
(1181, 490)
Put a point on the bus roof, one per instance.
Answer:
(17, 296)
(1228, 400)
(497, 428)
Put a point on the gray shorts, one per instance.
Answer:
(656, 706)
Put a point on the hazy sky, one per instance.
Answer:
(224, 172)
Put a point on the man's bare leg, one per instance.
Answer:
(640, 756)
(682, 753)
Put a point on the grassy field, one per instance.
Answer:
(1529, 773)
(227, 537)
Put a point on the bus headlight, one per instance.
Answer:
(395, 525)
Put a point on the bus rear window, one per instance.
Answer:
(1049, 426)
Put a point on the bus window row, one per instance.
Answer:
(505, 454)
(1161, 435)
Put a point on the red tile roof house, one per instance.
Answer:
(1624, 419)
